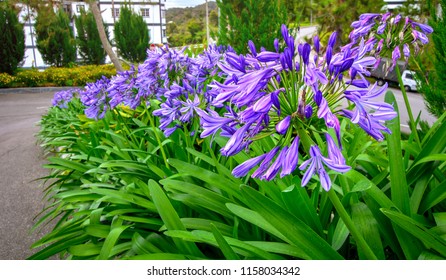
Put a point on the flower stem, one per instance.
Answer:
(304, 137)
(409, 110)
(360, 241)
(155, 131)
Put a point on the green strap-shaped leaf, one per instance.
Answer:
(240, 247)
(399, 188)
(300, 234)
(171, 219)
(411, 226)
(207, 176)
(223, 245)
(366, 224)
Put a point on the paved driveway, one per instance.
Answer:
(21, 160)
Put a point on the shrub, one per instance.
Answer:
(6, 80)
(12, 39)
(131, 36)
(30, 78)
(55, 39)
(88, 41)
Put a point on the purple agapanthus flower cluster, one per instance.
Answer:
(189, 91)
(392, 35)
(291, 94)
(178, 81)
(94, 97)
(62, 98)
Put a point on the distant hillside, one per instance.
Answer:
(182, 15)
(188, 25)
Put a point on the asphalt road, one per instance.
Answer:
(417, 105)
(21, 160)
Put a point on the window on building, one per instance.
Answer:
(67, 10)
(164, 32)
(80, 8)
(163, 13)
(145, 12)
(115, 12)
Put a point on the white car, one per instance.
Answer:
(409, 82)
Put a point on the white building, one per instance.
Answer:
(395, 4)
(152, 11)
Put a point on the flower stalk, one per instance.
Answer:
(360, 241)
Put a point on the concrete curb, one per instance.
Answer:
(32, 90)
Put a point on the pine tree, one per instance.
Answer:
(432, 84)
(258, 21)
(131, 35)
(55, 40)
(88, 41)
(12, 39)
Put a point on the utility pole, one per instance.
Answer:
(207, 23)
(161, 24)
(32, 37)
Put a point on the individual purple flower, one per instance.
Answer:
(406, 51)
(381, 28)
(315, 164)
(189, 107)
(332, 39)
(368, 112)
(372, 123)
(417, 35)
(306, 49)
(242, 169)
(237, 142)
(308, 111)
(396, 54)
(426, 29)
(396, 19)
(276, 166)
(266, 162)
(283, 125)
(252, 48)
(291, 159)
(316, 43)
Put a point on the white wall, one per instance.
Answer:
(34, 59)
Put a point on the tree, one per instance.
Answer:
(131, 35)
(337, 15)
(103, 36)
(88, 40)
(196, 28)
(12, 39)
(258, 21)
(55, 40)
(432, 82)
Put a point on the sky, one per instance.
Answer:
(183, 3)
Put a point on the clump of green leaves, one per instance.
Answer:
(12, 39)
(131, 35)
